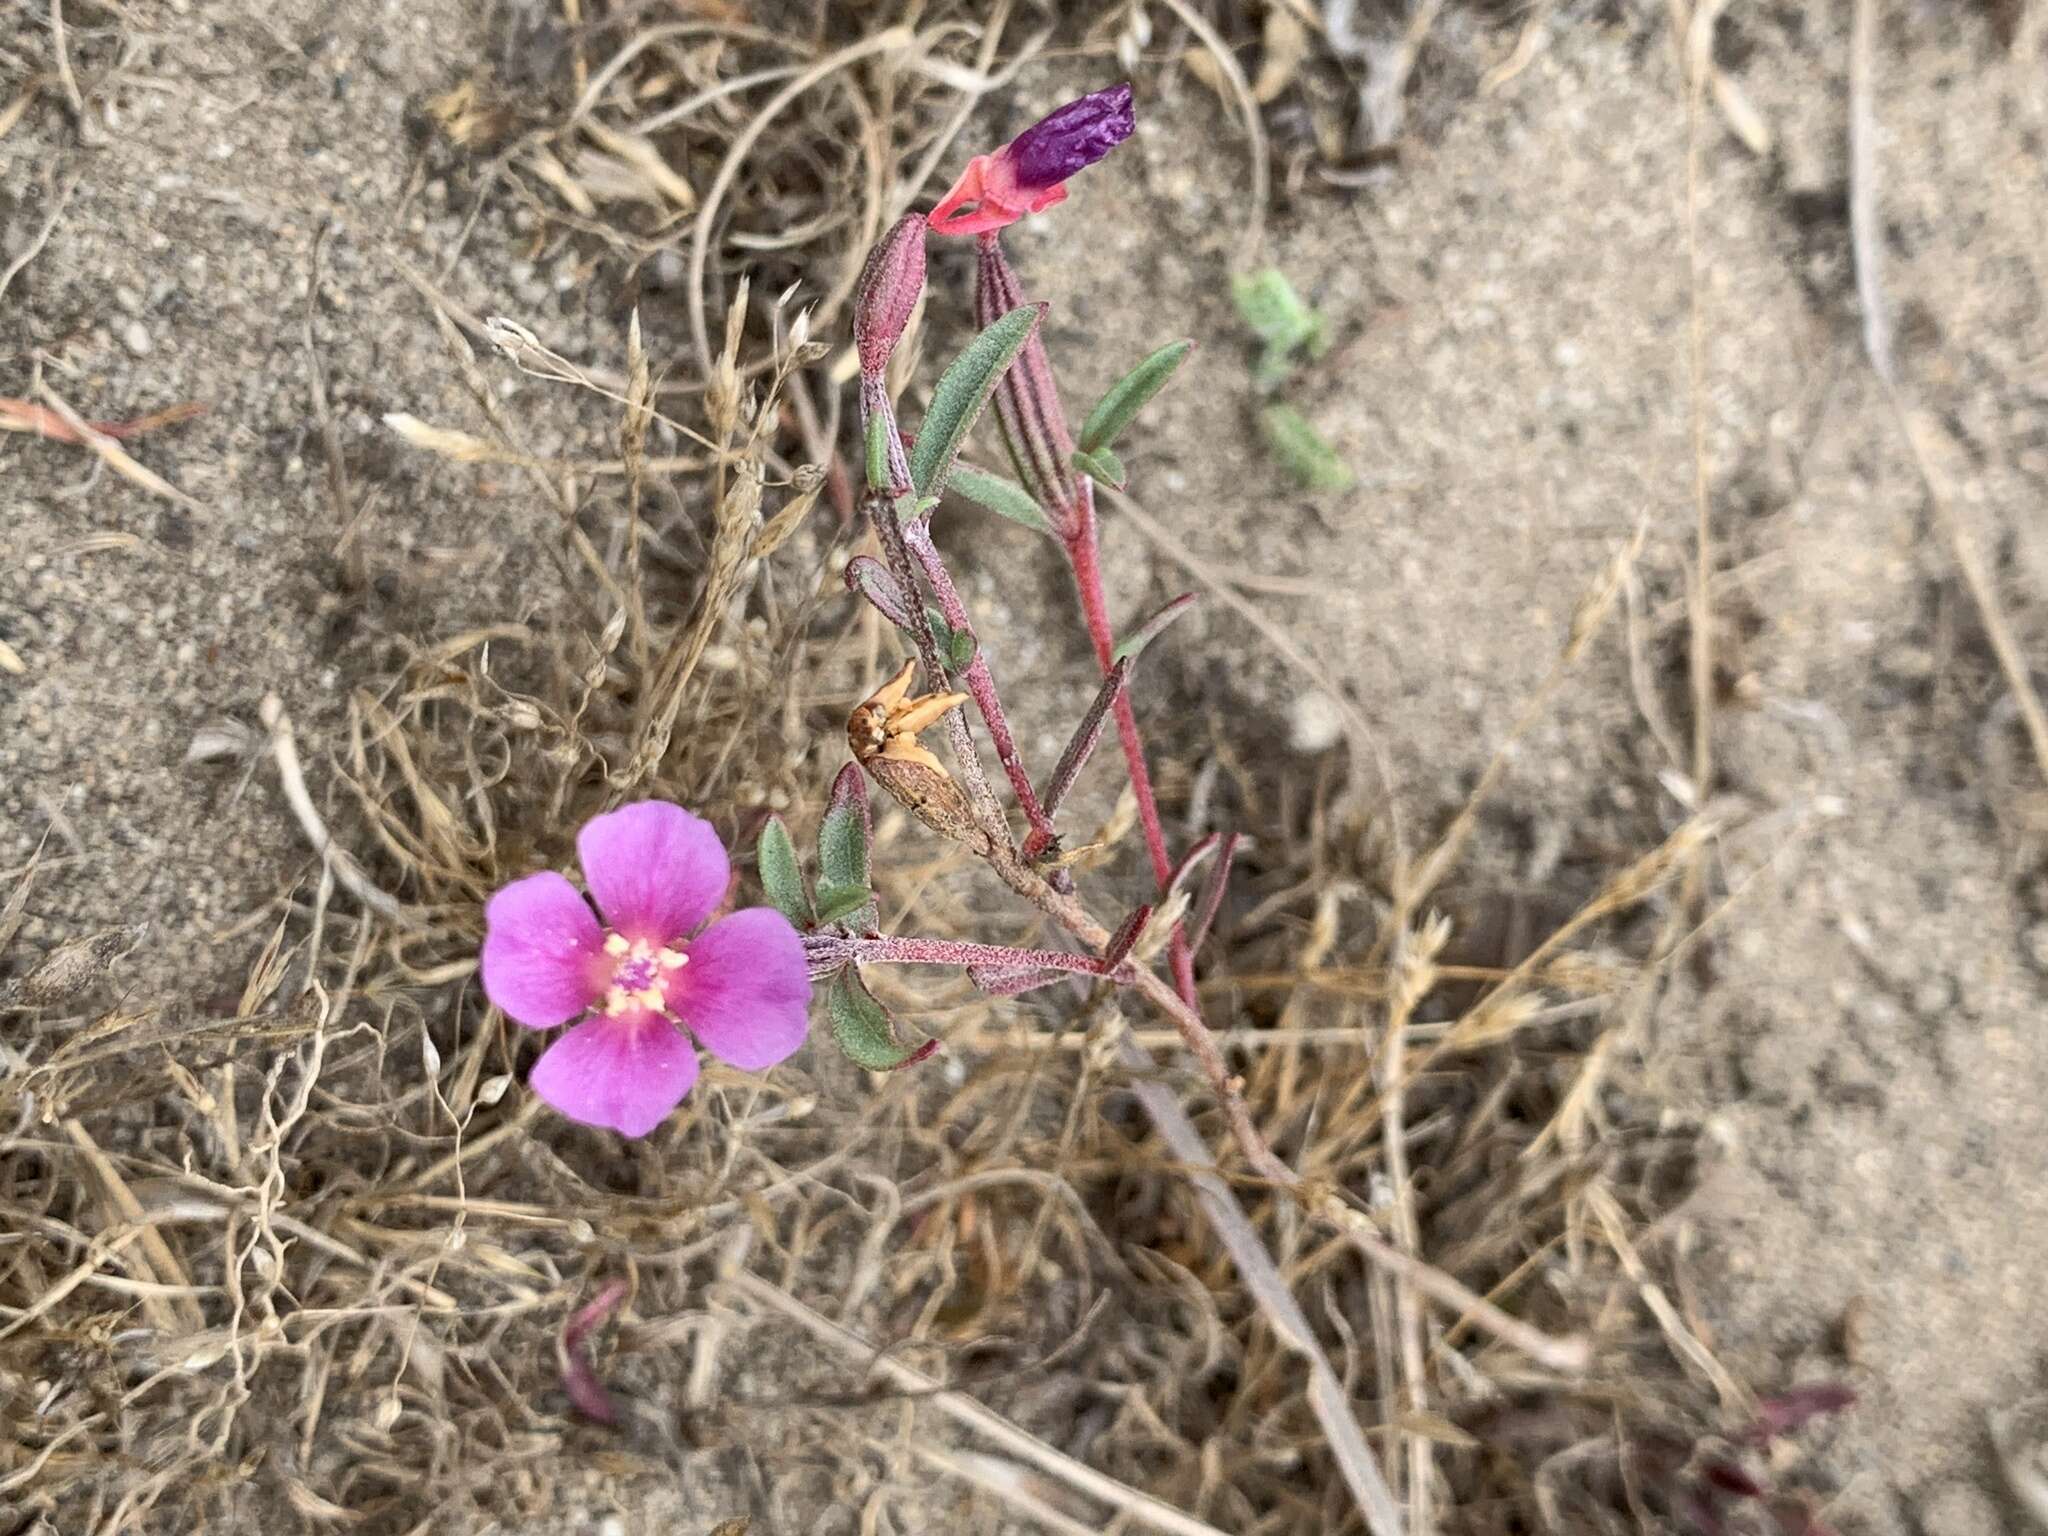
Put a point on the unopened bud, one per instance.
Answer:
(890, 284)
(1027, 402)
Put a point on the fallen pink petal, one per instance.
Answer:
(1788, 1411)
(1028, 175)
(579, 1378)
(636, 977)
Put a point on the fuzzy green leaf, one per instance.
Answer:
(781, 876)
(1123, 400)
(878, 453)
(1266, 301)
(843, 902)
(843, 838)
(956, 645)
(1302, 451)
(1004, 497)
(869, 577)
(963, 391)
(1101, 465)
(863, 1028)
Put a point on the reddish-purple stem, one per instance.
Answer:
(888, 949)
(980, 681)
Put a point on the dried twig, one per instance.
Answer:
(41, 237)
(284, 748)
(1129, 1502)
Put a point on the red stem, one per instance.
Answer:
(980, 681)
(1084, 553)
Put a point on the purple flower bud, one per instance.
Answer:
(1072, 137)
(889, 287)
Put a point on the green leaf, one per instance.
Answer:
(843, 838)
(869, 577)
(1101, 465)
(878, 453)
(863, 1028)
(1267, 302)
(843, 903)
(781, 876)
(1302, 451)
(1135, 642)
(956, 645)
(1004, 497)
(1122, 401)
(962, 393)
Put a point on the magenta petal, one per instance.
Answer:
(655, 870)
(541, 946)
(623, 1073)
(746, 992)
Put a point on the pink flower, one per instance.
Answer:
(1028, 174)
(655, 873)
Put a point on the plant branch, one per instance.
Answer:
(889, 530)
(980, 680)
(895, 949)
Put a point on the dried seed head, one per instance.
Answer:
(890, 284)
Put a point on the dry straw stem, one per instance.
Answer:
(1568, 1356)
(284, 749)
(1588, 618)
(1130, 1504)
(1327, 1396)
(1254, 236)
(111, 453)
(41, 237)
(1866, 241)
(890, 40)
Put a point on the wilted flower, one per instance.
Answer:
(1028, 174)
(655, 873)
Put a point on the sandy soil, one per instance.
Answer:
(1857, 1035)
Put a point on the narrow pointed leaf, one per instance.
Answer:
(1132, 645)
(963, 392)
(873, 581)
(863, 1029)
(1120, 404)
(781, 876)
(1087, 735)
(1210, 902)
(1101, 465)
(1300, 448)
(843, 839)
(1004, 497)
(1125, 939)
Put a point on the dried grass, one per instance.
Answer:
(313, 1252)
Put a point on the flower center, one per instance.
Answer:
(640, 974)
